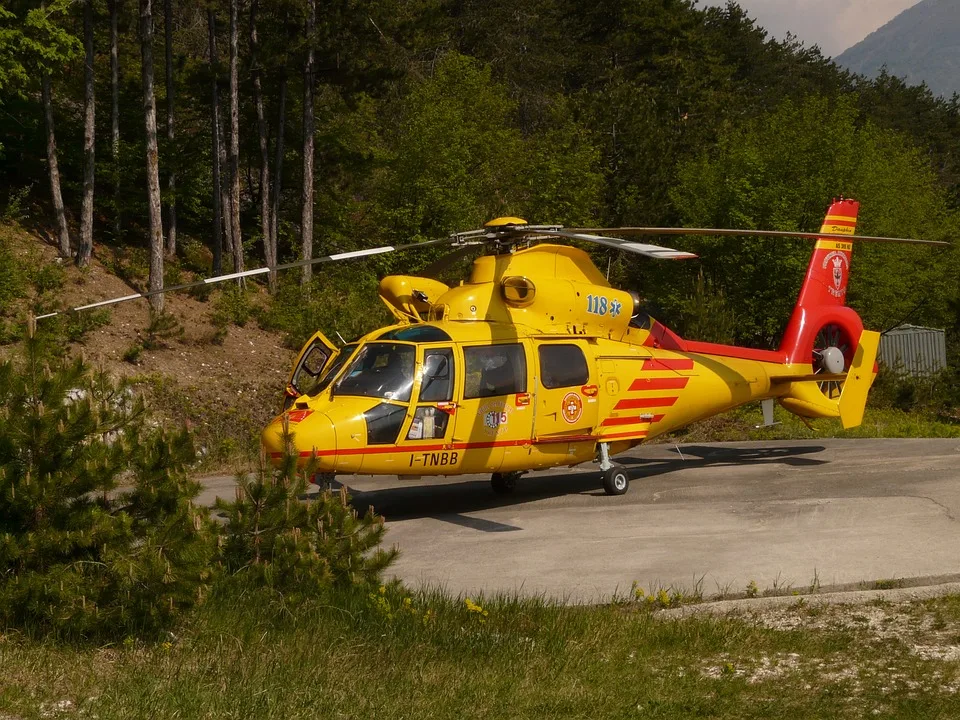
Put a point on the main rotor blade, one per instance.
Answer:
(654, 251)
(250, 273)
(451, 258)
(757, 233)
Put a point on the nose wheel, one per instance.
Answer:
(504, 483)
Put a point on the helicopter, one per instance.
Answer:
(535, 361)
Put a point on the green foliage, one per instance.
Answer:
(14, 211)
(77, 324)
(132, 354)
(456, 156)
(344, 302)
(13, 279)
(777, 173)
(163, 328)
(706, 315)
(83, 557)
(233, 306)
(35, 42)
(273, 539)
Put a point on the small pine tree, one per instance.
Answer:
(274, 539)
(98, 534)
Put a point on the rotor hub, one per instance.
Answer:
(832, 360)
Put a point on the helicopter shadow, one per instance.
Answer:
(703, 455)
(451, 502)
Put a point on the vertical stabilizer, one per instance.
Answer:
(822, 299)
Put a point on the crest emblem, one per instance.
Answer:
(837, 272)
(835, 263)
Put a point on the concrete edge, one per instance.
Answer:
(852, 597)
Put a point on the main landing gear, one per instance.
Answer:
(615, 478)
(504, 483)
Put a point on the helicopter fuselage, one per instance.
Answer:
(533, 362)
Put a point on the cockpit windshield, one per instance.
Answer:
(382, 370)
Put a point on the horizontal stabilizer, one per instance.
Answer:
(810, 377)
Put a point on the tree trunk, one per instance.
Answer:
(89, 141)
(153, 171)
(217, 150)
(306, 218)
(172, 179)
(235, 144)
(115, 114)
(63, 233)
(225, 203)
(278, 166)
(269, 242)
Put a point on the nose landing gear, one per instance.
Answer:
(504, 483)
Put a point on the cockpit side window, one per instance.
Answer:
(380, 370)
(436, 382)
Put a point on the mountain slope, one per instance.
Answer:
(921, 44)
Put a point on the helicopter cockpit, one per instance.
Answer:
(380, 370)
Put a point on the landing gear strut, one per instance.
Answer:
(504, 483)
(615, 478)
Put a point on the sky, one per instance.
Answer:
(834, 25)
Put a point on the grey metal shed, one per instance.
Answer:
(914, 350)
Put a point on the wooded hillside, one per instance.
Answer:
(240, 133)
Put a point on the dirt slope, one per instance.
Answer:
(230, 388)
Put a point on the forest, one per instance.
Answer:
(210, 137)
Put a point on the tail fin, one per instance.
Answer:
(822, 298)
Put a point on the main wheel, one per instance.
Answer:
(615, 481)
(504, 483)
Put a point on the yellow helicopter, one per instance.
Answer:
(535, 361)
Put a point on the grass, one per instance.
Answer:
(386, 654)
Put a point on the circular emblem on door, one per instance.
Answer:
(572, 407)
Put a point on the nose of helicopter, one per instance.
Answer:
(310, 432)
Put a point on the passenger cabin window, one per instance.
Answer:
(494, 370)
(562, 366)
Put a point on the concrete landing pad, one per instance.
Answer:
(785, 514)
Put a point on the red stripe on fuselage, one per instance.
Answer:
(633, 403)
(673, 383)
(387, 449)
(667, 364)
(635, 420)
(633, 434)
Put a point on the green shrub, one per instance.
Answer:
(14, 210)
(273, 539)
(46, 277)
(232, 306)
(132, 354)
(163, 327)
(344, 302)
(99, 538)
(195, 256)
(78, 324)
(13, 281)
